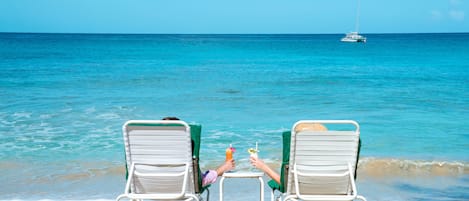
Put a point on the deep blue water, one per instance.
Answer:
(64, 98)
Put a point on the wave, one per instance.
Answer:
(370, 167)
(385, 167)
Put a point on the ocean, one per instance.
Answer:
(65, 97)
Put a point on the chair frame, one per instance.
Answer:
(351, 193)
(183, 195)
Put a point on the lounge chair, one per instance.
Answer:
(319, 165)
(161, 160)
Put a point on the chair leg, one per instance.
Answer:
(290, 197)
(361, 197)
(275, 198)
(121, 196)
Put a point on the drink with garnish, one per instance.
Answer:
(253, 152)
(229, 153)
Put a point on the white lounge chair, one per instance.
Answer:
(159, 161)
(322, 163)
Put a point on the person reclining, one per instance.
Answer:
(259, 163)
(210, 176)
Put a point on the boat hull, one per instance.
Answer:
(353, 37)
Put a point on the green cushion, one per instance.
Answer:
(196, 130)
(286, 136)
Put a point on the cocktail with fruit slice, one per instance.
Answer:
(253, 153)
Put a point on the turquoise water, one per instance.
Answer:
(64, 98)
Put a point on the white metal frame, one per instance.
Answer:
(297, 173)
(163, 196)
(257, 175)
(183, 195)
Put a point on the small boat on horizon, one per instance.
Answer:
(353, 36)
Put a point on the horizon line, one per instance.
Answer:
(118, 33)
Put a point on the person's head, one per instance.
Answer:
(310, 127)
(175, 118)
(170, 118)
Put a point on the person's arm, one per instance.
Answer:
(210, 176)
(226, 166)
(259, 164)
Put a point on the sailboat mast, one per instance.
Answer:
(358, 16)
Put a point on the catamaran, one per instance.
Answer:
(354, 36)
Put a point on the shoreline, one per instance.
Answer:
(399, 189)
(368, 167)
(101, 180)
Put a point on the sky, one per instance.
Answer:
(233, 16)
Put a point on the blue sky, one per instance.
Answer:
(233, 16)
